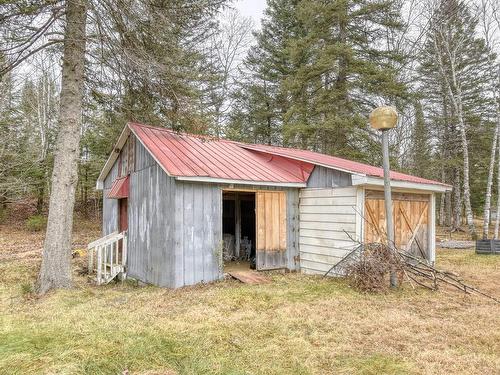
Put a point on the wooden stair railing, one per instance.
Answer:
(107, 257)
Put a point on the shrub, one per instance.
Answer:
(36, 223)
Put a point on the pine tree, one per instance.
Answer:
(343, 71)
(261, 104)
(421, 147)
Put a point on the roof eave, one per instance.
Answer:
(240, 182)
(398, 184)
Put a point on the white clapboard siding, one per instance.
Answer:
(328, 223)
(332, 201)
(337, 227)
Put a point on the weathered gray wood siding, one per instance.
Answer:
(197, 214)
(151, 247)
(175, 227)
(324, 216)
(109, 206)
(322, 177)
(143, 158)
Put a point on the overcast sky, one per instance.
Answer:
(251, 8)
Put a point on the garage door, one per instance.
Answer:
(271, 229)
(410, 217)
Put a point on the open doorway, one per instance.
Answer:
(238, 230)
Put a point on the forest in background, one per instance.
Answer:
(307, 78)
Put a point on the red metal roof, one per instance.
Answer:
(119, 188)
(186, 155)
(338, 163)
(201, 156)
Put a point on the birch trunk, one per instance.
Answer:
(55, 271)
(497, 221)
(455, 93)
(489, 183)
(448, 209)
(457, 200)
(442, 202)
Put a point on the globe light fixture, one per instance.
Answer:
(383, 118)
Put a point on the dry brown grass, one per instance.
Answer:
(295, 325)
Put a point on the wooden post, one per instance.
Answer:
(237, 226)
(124, 255)
(90, 254)
(388, 199)
(99, 262)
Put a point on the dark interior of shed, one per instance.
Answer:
(238, 229)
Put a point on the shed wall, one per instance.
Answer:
(109, 206)
(322, 177)
(197, 240)
(175, 227)
(151, 226)
(324, 216)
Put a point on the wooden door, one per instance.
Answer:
(123, 215)
(410, 214)
(271, 229)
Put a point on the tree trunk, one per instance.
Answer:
(455, 94)
(441, 210)
(465, 150)
(497, 221)
(489, 183)
(448, 209)
(55, 271)
(442, 202)
(457, 200)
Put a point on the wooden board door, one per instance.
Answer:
(271, 229)
(410, 214)
(123, 214)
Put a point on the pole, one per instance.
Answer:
(388, 199)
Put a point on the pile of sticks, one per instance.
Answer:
(368, 264)
(421, 272)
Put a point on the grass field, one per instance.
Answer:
(294, 325)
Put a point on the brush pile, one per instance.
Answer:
(370, 271)
(369, 265)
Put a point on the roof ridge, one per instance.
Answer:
(172, 131)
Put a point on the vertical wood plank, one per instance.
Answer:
(282, 224)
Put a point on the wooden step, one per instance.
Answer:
(249, 277)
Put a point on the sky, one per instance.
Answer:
(251, 8)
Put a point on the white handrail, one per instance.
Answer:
(107, 238)
(111, 259)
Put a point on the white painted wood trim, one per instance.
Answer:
(368, 181)
(112, 158)
(360, 213)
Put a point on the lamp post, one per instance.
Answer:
(383, 119)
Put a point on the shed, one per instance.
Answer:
(191, 205)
